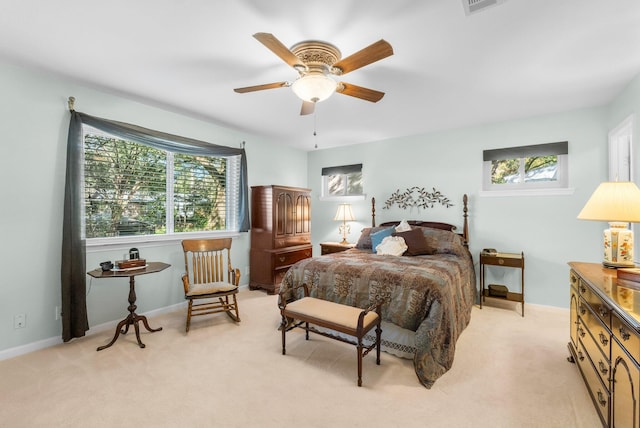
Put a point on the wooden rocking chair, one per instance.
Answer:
(210, 283)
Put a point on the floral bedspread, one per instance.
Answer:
(431, 295)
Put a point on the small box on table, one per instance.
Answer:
(128, 264)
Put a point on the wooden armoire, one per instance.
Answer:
(280, 233)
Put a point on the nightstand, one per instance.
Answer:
(334, 247)
(506, 260)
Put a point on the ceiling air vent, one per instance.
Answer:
(475, 6)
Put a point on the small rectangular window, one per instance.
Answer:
(540, 166)
(342, 181)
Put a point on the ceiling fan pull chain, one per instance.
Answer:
(315, 134)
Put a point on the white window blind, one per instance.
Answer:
(135, 189)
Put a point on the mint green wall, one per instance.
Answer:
(544, 227)
(33, 133)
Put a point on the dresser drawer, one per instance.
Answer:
(599, 360)
(574, 279)
(599, 394)
(602, 310)
(627, 336)
(287, 258)
(291, 241)
(600, 333)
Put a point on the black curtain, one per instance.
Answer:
(74, 301)
(73, 270)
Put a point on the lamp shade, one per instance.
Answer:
(344, 213)
(314, 87)
(619, 204)
(613, 201)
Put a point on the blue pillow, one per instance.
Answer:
(377, 237)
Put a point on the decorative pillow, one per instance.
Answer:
(416, 242)
(403, 226)
(364, 242)
(377, 237)
(392, 245)
(444, 241)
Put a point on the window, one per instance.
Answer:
(135, 189)
(342, 182)
(541, 166)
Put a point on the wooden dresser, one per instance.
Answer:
(605, 341)
(280, 233)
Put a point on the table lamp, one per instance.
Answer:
(618, 203)
(344, 214)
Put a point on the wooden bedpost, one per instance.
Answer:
(465, 227)
(373, 212)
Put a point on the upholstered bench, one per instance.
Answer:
(345, 319)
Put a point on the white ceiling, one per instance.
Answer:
(518, 59)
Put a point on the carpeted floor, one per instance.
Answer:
(509, 371)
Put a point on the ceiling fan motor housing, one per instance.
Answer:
(317, 53)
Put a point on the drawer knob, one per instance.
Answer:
(603, 339)
(583, 310)
(603, 368)
(603, 311)
(581, 332)
(601, 399)
(500, 261)
(282, 258)
(624, 333)
(580, 356)
(583, 289)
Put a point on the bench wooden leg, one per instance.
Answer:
(283, 327)
(378, 339)
(359, 362)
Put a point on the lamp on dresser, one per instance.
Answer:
(616, 202)
(344, 214)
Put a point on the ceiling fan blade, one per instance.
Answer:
(307, 108)
(276, 46)
(372, 53)
(261, 87)
(359, 92)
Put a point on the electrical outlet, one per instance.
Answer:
(19, 321)
(56, 313)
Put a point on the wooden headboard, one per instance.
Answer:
(432, 224)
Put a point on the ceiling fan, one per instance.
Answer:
(317, 63)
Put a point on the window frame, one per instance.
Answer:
(233, 181)
(557, 187)
(345, 171)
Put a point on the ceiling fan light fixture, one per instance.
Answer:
(314, 87)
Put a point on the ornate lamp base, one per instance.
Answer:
(618, 246)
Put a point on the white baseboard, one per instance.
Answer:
(53, 341)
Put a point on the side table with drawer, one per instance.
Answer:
(506, 260)
(334, 247)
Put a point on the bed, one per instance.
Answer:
(427, 296)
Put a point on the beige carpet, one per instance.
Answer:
(509, 371)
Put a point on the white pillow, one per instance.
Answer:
(392, 245)
(403, 226)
